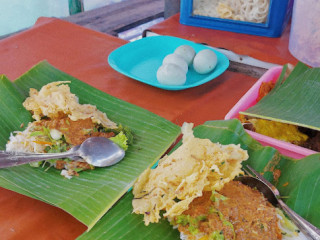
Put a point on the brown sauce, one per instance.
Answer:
(75, 132)
(243, 214)
(264, 89)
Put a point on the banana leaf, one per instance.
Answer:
(294, 101)
(299, 183)
(89, 196)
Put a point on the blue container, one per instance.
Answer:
(279, 15)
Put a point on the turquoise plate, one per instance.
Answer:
(141, 59)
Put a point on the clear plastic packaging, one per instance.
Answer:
(304, 42)
(256, 17)
(248, 11)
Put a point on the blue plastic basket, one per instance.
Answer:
(279, 15)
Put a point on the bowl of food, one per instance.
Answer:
(168, 62)
(296, 138)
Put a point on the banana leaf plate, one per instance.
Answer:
(299, 183)
(89, 196)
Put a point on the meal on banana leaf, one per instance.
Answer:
(61, 123)
(297, 135)
(196, 190)
(300, 103)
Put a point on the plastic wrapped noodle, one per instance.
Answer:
(243, 10)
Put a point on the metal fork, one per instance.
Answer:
(307, 228)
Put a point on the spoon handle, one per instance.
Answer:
(307, 228)
(10, 159)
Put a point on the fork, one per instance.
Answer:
(307, 228)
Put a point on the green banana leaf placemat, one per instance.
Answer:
(294, 100)
(299, 183)
(89, 196)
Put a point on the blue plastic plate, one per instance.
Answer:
(141, 59)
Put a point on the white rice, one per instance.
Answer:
(23, 142)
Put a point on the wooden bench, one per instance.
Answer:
(114, 18)
(118, 17)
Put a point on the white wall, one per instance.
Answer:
(19, 14)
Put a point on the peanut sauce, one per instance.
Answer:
(264, 89)
(236, 212)
(75, 132)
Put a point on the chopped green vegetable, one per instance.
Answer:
(77, 169)
(216, 235)
(193, 222)
(120, 129)
(58, 147)
(215, 197)
(193, 229)
(212, 210)
(121, 139)
(35, 164)
(182, 220)
(36, 133)
(202, 217)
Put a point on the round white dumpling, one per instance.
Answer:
(177, 60)
(187, 52)
(171, 74)
(205, 61)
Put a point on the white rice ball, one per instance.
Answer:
(187, 52)
(171, 74)
(205, 61)
(177, 60)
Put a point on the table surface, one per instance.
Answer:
(83, 54)
(274, 50)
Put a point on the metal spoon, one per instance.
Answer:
(273, 196)
(97, 151)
